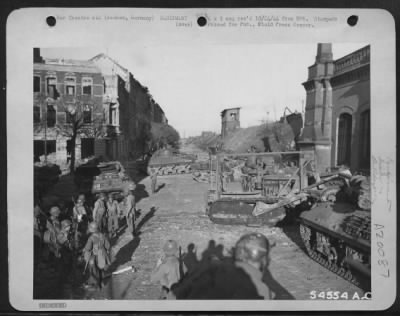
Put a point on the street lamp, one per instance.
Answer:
(48, 100)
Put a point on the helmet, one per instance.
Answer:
(36, 210)
(252, 247)
(93, 227)
(65, 223)
(55, 211)
(170, 247)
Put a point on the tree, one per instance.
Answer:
(81, 121)
(163, 135)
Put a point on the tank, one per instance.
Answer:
(246, 189)
(336, 232)
(111, 179)
(167, 162)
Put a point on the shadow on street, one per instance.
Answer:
(140, 192)
(160, 187)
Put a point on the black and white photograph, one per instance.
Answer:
(205, 170)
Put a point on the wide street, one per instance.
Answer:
(176, 211)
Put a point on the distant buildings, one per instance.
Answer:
(109, 91)
(337, 113)
(230, 121)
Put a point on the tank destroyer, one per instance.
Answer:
(336, 231)
(247, 189)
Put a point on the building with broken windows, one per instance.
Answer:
(61, 89)
(337, 113)
(129, 111)
(230, 121)
(117, 111)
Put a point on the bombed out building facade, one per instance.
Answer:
(118, 110)
(59, 86)
(337, 113)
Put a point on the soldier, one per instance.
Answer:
(112, 213)
(65, 241)
(252, 256)
(39, 226)
(80, 220)
(153, 178)
(130, 209)
(99, 212)
(168, 268)
(97, 256)
(87, 207)
(79, 211)
(53, 227)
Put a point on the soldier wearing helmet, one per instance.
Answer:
(240, 278)
(53, 227)
(130, 209)
(112, 214)
(65, 242)
(99, 212)
(79, 211)
(97, 255)
(168, 269)
(252, 255)
(153, 178)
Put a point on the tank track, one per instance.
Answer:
(343, 272)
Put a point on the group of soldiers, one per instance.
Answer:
(79, 235)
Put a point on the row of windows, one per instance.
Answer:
(69, 84)
(50, 116)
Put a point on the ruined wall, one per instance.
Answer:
(230, 121)
(61, 101)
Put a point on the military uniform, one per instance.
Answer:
(153, 178)
(130, 215)
(256, 278)
(169, 269)
(97, 255)
(112, 213)
(99, 213)
(65, 241)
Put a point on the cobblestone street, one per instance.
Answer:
(176, 211)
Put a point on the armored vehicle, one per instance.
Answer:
(102, 177)
(112, 178)
(247, 188)
(336, 231)
(167, 162)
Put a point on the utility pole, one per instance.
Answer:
(45, 132)
(45, 129)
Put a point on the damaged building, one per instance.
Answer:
(337, 113)
(61, 86)
(117, 109)
(129, 111)
(230, 121)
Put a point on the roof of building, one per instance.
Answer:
(354, 60)
(67, 65)
(223, 111)
(102, 55)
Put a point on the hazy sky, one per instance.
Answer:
(194, 84)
